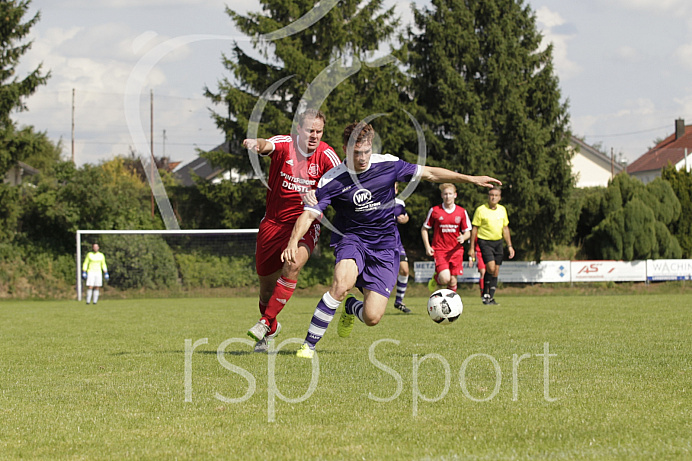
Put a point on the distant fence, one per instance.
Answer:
(651, 270)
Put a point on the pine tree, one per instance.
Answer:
(14, 90)
(491, 105)
(634, 220)
(331, 65)
(681, 182)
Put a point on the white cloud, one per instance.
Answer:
(684, 55)
(629, 54)
(120, 4)
(685, 103)
(548, 18)
(547, 21)
(631, 129)
(654, 6)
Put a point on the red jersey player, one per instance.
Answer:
(297, 164)
(451, 228)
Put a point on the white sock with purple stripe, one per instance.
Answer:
(401, 285)
(324, 313)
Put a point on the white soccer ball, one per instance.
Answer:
(445, 306)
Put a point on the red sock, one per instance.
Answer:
(282, 293)
(481, 282)
(454, 288)
(262, 307)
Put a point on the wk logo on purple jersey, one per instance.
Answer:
(362, 197)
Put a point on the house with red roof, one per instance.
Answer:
(676, 150)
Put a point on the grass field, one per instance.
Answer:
(123, 380)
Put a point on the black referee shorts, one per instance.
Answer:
(491, 250)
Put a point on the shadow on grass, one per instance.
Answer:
(226, 352)
(291, 353)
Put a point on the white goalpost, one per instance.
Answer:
(172, 260)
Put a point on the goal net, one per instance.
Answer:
(162, 263)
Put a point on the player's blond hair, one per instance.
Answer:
(311, 114)
(448, 185)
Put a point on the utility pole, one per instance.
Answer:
(612, 164)
(153, 160)
(73, 126)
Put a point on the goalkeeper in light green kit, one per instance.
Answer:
(92, 270)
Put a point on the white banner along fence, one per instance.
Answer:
(650, 270)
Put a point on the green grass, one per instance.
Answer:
(108, 382)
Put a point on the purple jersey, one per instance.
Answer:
(364, 207)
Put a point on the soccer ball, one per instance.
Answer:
(445, 306)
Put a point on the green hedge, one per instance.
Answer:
(32, 273)
(211, 271)
(137, 261)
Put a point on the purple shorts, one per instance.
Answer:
(377, 269)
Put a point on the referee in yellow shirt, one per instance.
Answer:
(490, 225)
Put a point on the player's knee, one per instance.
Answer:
(292, 270)
(338, 292)
(371, 320)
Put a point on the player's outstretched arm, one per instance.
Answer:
(258, 146)
(299, 229)
(440, 175)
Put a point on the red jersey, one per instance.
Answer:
(446, 226)
(291, 174)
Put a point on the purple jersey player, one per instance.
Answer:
(361, 191)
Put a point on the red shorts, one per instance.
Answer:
(272, 239)
(479, 258)
(450, 259)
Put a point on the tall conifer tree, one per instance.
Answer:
(14, 90)
(491, 104)
(339, 56)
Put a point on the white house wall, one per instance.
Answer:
(588, 172)
(684, 164)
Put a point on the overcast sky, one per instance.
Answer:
(623, 66)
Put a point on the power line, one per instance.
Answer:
(625, 134)
(156, 143)
(81, 92)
